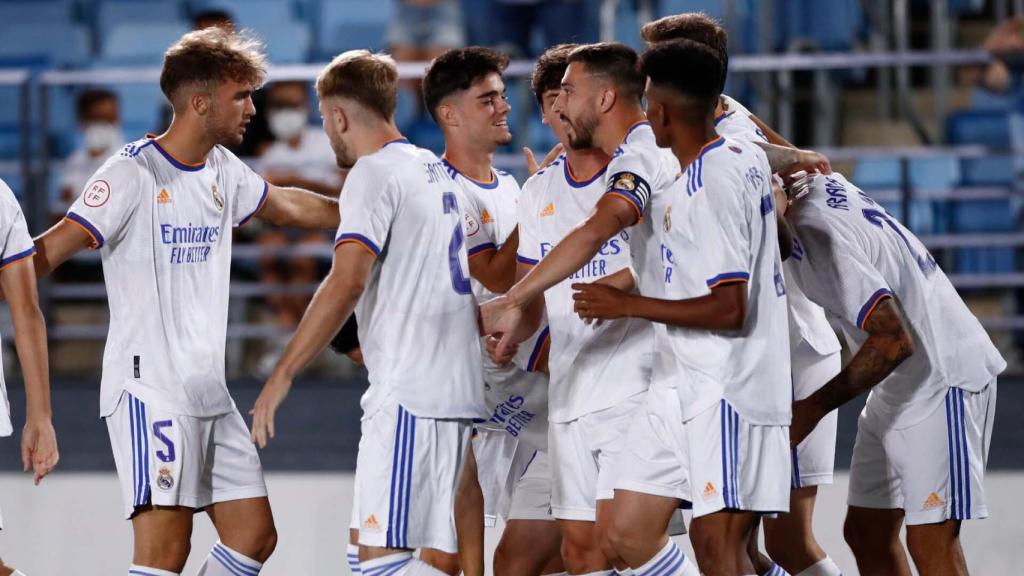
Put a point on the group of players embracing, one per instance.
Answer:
(653, 302)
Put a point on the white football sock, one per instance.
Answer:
(420, 568)
(824, 567)
(669, 561)
(224, 561)
(777, 570)
(353, 559)
(389, 565)
(136, 570)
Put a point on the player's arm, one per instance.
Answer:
(298, 208)
(723, 309)
(495, 268)
(503, 314)
(887, 346)
(55, 246)
(332, 304)
(38, 439)
(786, 161)
(772, 136)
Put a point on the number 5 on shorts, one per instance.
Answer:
(165, 454)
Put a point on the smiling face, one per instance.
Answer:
(482, 112)
(549, 117)
(230, 110)
(576, 106)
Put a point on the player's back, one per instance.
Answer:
(417, 315)
(847, 245)
(726, 231)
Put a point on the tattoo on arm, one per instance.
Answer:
(887, 346)
(779, 157)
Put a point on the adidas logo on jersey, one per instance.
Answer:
(933, 501)
(164, 197)
(371, 523)
(486, 217)
(548, 210)
(709, 491)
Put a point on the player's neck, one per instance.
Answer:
(188, 144)
(614, 128)
(584, 164)
(689, 141)
(473, 163)
(374, 138)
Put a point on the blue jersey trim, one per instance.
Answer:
(581, 183)
(481, 248)
(92, 230)
(524, 260)
(263, 200)
(870, 305)
(542, 339)
(485, 185)
(727, 277)
(19, 256)
(175, 162)
(358, 239)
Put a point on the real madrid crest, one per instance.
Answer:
(667, 221)
(164, 480)
(626, 181)
(218, 200)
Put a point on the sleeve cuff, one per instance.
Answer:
(870, 305)
(524, 260)
(263, 200)
(17, 257)
(358, 239)
(481, 248)
(91, 230)
(728, 278)
(632, 202)
(543, 339)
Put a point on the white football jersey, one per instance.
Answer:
(591, 368)
(417, 316)
(850, 255)
(163, 229)
(718, 227)
(15, 246)
(807, 320)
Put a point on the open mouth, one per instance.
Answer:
(501, 123)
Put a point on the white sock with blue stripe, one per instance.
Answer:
(627, 571)
(600, 573)
(353, 559)
(669, 561)
(389, 565)
(136, 570)
(224, 561)
(824, 567)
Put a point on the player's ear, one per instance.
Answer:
(340, 118)
(200, 102)
(447, 115)
(606, 100)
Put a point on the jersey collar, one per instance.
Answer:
(485, 185)
(177, 163)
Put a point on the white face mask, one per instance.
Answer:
(102, 136)
(286, 123)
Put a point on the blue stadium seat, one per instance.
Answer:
(979, 216)
(50, 12)
(139, 43)
(10, 127)
(141, 105)
(407, 110)
(627, 27)
(982, 99)
(110, 14)
(877, 173)
(938, 173)
(985, 261)
(988, 127)
(425, 133)
(349, 24)
(37, 44)
(987, 171)
(259, 15)
(287, 42)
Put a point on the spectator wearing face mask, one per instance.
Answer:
(99, 121)
(300, 154)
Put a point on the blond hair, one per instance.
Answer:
(371, 80)
(206, 58)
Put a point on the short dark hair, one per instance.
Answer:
(550, 68)
(615, 61)
(456, 70)
(90, 97)
(688, 68)
(696, 26)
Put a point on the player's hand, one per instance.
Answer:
(531, 162)
(502, 318)
(806, 416)
(781, 200)
(807, 161)
(273, 393)
(39, 447)
(599, 302)
(491, 344)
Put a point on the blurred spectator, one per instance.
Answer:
(301, 154)
(212, 17)
(99, 121)
(556, 21)
(423, 29)
(1005, 74)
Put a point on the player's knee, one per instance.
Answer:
(504, 561)
(168, 555)
(267, 541)
(622, 538)
(932, 542)
(856, 535)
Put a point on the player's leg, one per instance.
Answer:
(531, 541)
(639, 526)
(758, 562)
(936, 550)
(574, 497)
(352, 550)
(788, 538)
(162, 538)
(469, 518)
(720, 542)
(873, 535)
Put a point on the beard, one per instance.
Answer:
(221, 131)
(580, 132)
(342, 155)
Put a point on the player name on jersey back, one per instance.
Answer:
(417, 315)
(850, 255)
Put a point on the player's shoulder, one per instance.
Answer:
(506, 179)
(732, 106)
(542, 178)
(129, 162)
